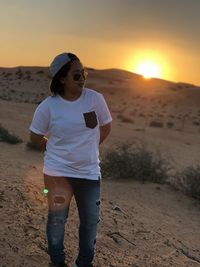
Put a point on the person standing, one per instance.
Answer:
(69, 126)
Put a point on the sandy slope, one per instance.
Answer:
(141, 224)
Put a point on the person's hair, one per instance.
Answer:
(56, 87)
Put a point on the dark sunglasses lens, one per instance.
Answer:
(77, 77)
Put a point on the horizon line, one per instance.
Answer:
(131, 72)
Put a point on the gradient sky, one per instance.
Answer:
(104, 34)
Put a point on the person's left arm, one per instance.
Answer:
(104, 131)
(104, 118)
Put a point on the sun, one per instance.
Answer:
(148, 70)
(149, 63)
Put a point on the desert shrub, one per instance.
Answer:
(5, 136)
(156, 124)
(170, 124)
(139, 129)
(196, 123)
(19, 73)
(125, 119)
(171, 116)
(189, 181)
(31, 146)
(7, 74)
(40, 72)
(134, 162)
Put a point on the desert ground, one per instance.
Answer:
(142, 224)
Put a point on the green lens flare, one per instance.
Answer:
(45, 191)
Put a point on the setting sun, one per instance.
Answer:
(149, 64)
(148, 70)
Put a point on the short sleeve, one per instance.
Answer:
(41, 118)
(103, 112)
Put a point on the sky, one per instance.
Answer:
(104, 34)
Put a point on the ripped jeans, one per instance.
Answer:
(87, 197)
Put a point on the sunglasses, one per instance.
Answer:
(83, 74)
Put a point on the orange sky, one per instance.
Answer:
(104, 34)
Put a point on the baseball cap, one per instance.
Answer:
(59, 61)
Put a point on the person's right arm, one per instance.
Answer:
(40, 125)
(38, 141)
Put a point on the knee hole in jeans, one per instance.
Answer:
(59, 200)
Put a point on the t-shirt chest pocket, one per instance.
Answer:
(90, 119)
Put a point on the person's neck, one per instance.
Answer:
(71, 96)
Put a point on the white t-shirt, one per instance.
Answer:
(73, 134)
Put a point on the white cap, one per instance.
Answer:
(58, 62)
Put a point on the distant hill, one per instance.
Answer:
(30, 84)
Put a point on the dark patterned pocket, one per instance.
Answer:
(90, 119)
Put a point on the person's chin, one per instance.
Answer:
(80, 85)
(78, 88)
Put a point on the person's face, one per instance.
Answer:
(75, 79)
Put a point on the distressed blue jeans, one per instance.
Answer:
(87, 197)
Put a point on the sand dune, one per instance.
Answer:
(144, 225)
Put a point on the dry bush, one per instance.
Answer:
(196, 123)
(179, 117)
(5, 136)
(189, 181)
(139, 129)
(28, 77)
(134, 162)
(157, 124)
(40, 72)
(31, 146)
(171, 116)
(170, 124)
(7, 74)
(19, 73)
(125, 119)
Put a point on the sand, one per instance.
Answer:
(142, 225)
